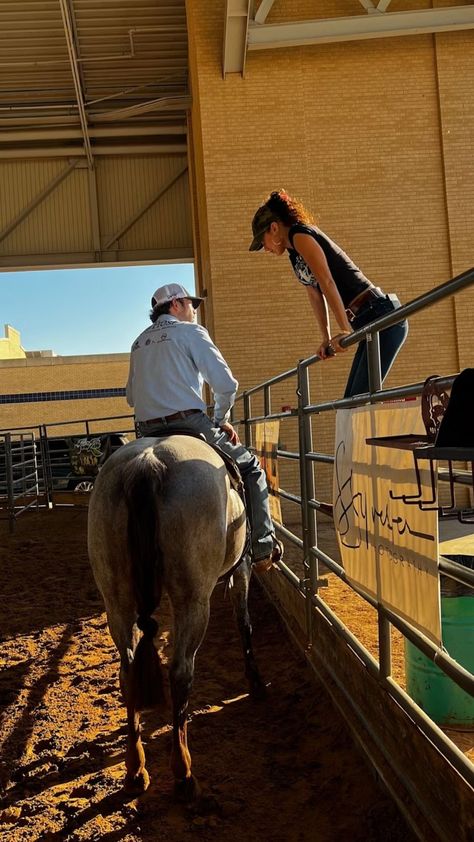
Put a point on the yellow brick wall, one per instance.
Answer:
(10, 345)
(57, 374)
(375, 137)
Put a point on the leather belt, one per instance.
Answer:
(361, 299)
(175, 416)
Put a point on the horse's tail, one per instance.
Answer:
(143, 483)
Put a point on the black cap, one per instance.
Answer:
(261, 223)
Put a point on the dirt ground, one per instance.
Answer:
(284, 769)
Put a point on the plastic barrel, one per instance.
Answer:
(443, 701)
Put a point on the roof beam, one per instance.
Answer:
(369, 6)
(68, 31)
(40, 197)
(237, 16)
(166, 103)
(383, 5)
(142, 211)
(126, 148)
(133, 130)
(263, 11)
(360, 27)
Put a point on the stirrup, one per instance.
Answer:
(266, 563)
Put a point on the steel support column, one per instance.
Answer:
(235, 36)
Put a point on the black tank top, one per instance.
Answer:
(349, 279)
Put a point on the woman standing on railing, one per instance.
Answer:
(332, 280)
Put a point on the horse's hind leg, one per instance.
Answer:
(190, 622)
(239, 592)
(125, 636)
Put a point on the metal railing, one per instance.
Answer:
(309, 585)
(72, 451)
(19, 476)
(61, 456)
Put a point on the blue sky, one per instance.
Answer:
(84, 311)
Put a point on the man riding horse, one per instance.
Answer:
(168, 363)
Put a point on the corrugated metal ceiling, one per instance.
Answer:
(96, 76)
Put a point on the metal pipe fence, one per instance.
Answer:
(38, 464)
(309, 585)
(19, 474)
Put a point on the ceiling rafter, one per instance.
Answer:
(128, 64)
(71, 48)
(146, 207)
(40, 197)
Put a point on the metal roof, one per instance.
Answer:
(92, 77)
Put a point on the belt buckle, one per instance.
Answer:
(350, 314)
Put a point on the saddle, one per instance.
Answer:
(449, 419)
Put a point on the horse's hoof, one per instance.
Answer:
(187, 790)
(136, 784)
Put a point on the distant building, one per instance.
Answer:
(11, 347)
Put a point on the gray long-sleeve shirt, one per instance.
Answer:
(169, 362)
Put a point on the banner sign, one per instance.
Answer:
(266, 446)
(388, 544)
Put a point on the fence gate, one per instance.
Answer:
(19, 480)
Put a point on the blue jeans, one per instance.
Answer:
(391, 340)
(255, 483)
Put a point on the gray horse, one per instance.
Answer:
(163, 515)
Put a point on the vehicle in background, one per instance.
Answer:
(73, 462)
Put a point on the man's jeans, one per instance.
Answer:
(391, 340)
(256, 490)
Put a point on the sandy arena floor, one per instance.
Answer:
(285, 769)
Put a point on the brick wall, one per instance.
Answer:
(58, 374)
(375, 137)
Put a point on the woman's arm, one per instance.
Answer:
(320, 310)
(313, 255)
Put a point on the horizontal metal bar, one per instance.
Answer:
(288, 496)
(273, 417)
(24, 478)
(365, 656)
(292, 577)
(320, 506)
(397, 393)
(448, 665)
(359, 27)
(320, 457)
(287, 454)
(449, 750)
(461, 676)
(460, 762)
(126, 148)
(292, 372)
(456, 571)
(440, 292)
(98, 131)
(282, 530)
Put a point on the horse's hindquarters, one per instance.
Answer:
(161, 515)
(236, 529)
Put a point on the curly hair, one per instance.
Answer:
(288, 210)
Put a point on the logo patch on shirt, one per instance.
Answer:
(303, 272)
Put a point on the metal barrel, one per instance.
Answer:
(446, 703)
